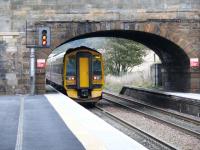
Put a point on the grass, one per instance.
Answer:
(115, 84)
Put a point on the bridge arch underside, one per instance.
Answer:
(175, 62)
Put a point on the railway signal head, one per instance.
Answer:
(44, 37)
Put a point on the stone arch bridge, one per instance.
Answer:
(174, 41)
(171, 28)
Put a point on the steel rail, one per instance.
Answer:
(186, 130)
(154, 108)
(148, 137)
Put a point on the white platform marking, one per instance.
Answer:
(186, 95)
(93, 132)
(19, 140)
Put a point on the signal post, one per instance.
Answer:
(38, 66)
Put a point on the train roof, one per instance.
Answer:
(78, 48)
(56, 56)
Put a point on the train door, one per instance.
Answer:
(84, 73)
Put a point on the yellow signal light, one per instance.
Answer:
(44, 37)
(44, 42)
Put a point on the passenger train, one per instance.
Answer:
(79, 72)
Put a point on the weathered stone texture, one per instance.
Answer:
(15, 13)
(175, 20)
(12, 70)
(174, 30)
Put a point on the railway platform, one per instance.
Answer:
(188, 103)
(55, 122)
(185, 95)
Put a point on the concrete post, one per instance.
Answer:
(32, 71)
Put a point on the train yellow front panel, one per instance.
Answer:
(84, 72)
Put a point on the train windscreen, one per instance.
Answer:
(71, 67)
(96, 65)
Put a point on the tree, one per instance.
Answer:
(122, 55)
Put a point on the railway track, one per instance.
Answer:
(144, 138)
(181, 122)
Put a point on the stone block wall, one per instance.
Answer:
(14, 56)
(14, 13)
(14, 64)
(176, 76)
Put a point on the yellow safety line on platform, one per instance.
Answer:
(89, 141)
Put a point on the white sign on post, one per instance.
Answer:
(194, 62)
(40, 63)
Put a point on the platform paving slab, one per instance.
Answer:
(9, 114)
(44, 129)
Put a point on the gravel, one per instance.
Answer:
(164, 132)
(163, 116)
(131, 133)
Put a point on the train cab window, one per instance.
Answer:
(96, 65)
(71, 67)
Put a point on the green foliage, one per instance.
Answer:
(122, 55)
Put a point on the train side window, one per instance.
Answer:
(71, 67)
(61, 66)
(96, 65)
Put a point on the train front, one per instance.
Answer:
(84, 75)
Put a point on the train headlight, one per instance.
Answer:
(71, 78)
(95, 77)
